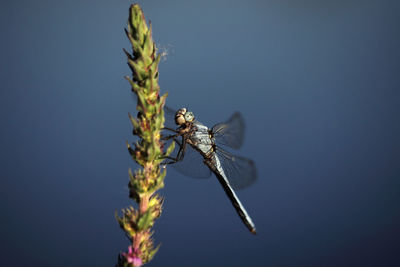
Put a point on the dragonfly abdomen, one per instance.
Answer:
(214, 164)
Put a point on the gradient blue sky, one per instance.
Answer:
(317, 82)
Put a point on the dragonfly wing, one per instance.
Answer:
(169, 115)
(231, 132)
(240, 171)
(192, 164)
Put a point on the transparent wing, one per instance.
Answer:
(231, 132)
(192, 164)
(240, 171)
(169, 114)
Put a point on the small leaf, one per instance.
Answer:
(135, 123)
(145, 221)
(119, 219)
(135, 86)
(153, 252)
(170, 149)
(154, 66)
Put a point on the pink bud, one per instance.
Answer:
(137, 262)
(132, 257)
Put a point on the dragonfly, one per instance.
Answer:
(200, 153)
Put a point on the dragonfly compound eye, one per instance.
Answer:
(179, 119)
(180, 111)
(189, 116)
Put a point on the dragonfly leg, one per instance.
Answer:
(182, 150)
(172, 136)
(173, 160)
(180, 154)
(170, 129)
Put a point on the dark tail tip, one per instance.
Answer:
(253, 231)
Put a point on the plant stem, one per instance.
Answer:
(148, 152)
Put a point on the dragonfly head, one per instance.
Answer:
(183, 116)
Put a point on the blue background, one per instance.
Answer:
(317, 82)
